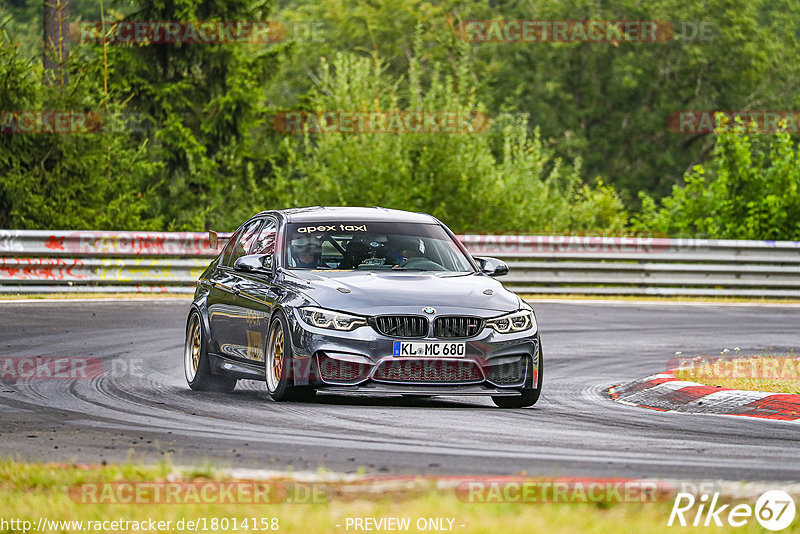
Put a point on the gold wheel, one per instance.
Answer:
(275, 356)
(278, 365)
(196, 362)
(193, 348)
(196, 346)
(277, 360)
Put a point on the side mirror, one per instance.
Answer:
(254, 263)
(492, 266)
(213, 240)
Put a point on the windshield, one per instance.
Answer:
(372, 246)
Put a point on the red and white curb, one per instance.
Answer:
(663, 392)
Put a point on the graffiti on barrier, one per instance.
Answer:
(42, 269)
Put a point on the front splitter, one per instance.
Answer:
(413, 389)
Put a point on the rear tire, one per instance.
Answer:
(529, 395)
(196, 364)
(278, 364)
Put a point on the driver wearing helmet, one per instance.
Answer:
(306, 252)
(404, 248)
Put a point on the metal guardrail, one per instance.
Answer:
(102, 262)
(170, 262)
(645, 266)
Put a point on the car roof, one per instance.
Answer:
(340, 213)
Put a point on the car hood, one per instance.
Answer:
(372, 293)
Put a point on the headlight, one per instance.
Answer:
(330, 319)
(513, 322)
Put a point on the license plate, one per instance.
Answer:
(430, 349)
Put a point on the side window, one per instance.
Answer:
(226, 252)
(265, 242)
(240, 243)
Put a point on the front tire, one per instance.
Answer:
(279, 363)
(196, 364)
(529, 395)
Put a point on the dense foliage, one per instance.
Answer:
(457, 176)
(85, 180)
(578, 140)
(749, 190)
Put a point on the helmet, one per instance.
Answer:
(306, 251)
(404, 247)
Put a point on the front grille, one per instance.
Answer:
(337, 371)
(429, 371)
(508, 373)
(401, 325)
(449, 327)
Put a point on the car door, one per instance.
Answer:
(223, 308)
(255, 298)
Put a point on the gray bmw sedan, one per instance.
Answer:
(366, 301)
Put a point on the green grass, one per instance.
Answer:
(30, 491)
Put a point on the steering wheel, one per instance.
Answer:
(420, 263)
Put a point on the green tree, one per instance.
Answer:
(454, 176)
(67, 180)
(749, 190)
(207, 113)
(604, 103)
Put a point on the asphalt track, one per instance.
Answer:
(141, 408)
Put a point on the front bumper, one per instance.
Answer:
(362, 362)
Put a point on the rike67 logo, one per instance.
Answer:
(774, 510)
